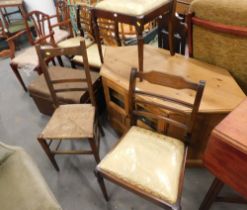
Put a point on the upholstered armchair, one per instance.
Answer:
(22, 186)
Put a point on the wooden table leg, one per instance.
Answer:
(211, 195)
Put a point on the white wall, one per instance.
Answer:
(46, 6)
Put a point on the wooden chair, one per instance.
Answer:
(136, 13)
(147, 163)
(27, 59)
(13, 13)
(63, 28)
(108, 34)
(3, 36)
(74, 121)
(180, 35)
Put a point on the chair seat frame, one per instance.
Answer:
(138, 22)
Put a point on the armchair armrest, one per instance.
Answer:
(43, 39)
(63, 23)
(11, 42)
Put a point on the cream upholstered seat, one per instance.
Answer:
(21, 184)
(150, 161)
(26, 59)
(60, 34)
(131, 7)
(70, 122)
(93, 56)
(74, 42)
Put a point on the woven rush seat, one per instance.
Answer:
(150, 161)
(70, 122)
(130, 7)
(93, 56)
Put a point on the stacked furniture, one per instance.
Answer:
(21, 183)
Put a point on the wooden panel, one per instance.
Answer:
(227, 163)
(226, 153)
(233, 128)
(10, 3)
(183, 6)
(222, 94)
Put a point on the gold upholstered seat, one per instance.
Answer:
(70, 122)
(130, 7)
(150, 161)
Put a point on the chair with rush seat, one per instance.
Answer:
(145, 162)
(108, 34)
(73, 121)
(27, 58)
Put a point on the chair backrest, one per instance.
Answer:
(62, 10)
(166, 104)
(2, 30)
(108, 29)
(42, 26)
(46, 54)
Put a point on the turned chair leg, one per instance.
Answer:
(17, 74)
(211, 195)
(101, 182)
(101, 130)
(47, 150)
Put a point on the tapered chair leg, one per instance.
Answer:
(101, 182)
(95, 149)
(171, 34)
(53, 62)
(140, 44)
(17, 74)
(211, 195)
(101, 129)
(60, 61)
(46, 148)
